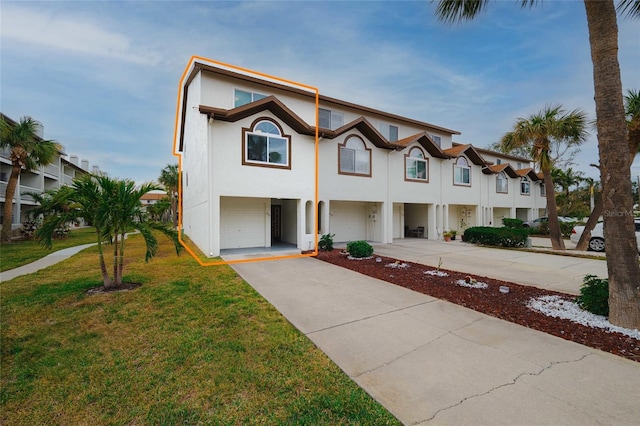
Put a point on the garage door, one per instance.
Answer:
(242, 222)
(348, 220)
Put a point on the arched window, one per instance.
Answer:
(265, 144)
(525, 186)
(416, 166)
(354, 158)
(502, 183)
(461, 172)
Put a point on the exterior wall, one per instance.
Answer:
(198, 202)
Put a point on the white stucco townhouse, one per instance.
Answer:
(248, 169)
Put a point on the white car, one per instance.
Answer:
(596, 243)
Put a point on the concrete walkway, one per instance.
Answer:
(432, 362)
(42, 263)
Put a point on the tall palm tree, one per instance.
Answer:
(622, 257)
(536, 132)
(26, 152)
(169, 178)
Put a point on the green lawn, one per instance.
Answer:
(193, 345)
(20, 253)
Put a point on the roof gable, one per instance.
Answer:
(425, 141)
(468, 151)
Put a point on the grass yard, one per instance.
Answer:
(193, 345)
(23, 252)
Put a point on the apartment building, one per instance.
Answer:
(249, 162)
(60, 172)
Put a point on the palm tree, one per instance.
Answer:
(536, 132)
(113, 207)
(632, 111)
(27, 152)
(622, 257)
(169, 178)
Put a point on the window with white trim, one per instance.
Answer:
(502, 183)
(416, 166)
(461, 172)
(436, 139)
(264, 144)
(389, 131)
(525, 186)
(328, 119)
(543, 190)
(354, 157)
(243, 97)
(498, 161)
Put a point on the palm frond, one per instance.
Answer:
(630, 8)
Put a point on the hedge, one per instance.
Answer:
(505, 237)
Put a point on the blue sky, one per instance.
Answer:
(103, 76)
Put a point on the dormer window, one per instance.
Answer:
(265, 144)
(389, 131)
(461, 172)
(243, 97)
(354, 158)
(416, 166)
(328, 119)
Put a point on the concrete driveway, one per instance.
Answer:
(432, 362)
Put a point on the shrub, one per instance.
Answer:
(359, 249)
(512, 223)
(594, 295)
(567, 227)
(505, 237)
(326, 242)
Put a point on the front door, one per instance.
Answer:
(276, 223)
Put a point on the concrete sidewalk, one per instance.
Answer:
(432, 362)
(42, 263)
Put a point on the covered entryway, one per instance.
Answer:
(416, 220)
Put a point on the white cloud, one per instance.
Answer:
(71, 33)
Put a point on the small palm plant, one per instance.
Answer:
(113, 207)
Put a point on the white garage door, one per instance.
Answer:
(242, 222)
(348, 220)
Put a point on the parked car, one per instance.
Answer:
(596, 243)
(535, 224)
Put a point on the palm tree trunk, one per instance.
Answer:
(106, 280)
(115, 258)
(615, 173)
(588, 227)
(557, 243)
(8, 203)
(121, 260)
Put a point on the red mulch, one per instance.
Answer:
(510, 307)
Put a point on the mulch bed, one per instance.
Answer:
(510, 307)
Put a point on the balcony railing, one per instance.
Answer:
(52, 170)
(25, 197)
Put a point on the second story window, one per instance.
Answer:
(265, 145)
(328, 119)
(416, 166)
(502, 184)
(389, 131)
(243, 97)
(354, 158)
(525, 186)
(461, 172)
(543, 190)
(436, 139)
